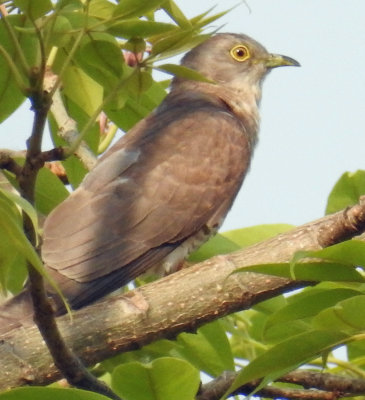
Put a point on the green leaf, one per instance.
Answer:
(102, 60)
(169, 45)
(11, 96)
(258, 325)
(176, 14)
(79, 21)
(101, 9)
(47, 393)
(75, 171)
(339, 262)
(134, 45)
(246, 332)
(308, 271)
(218, 244)
(148, 353)
(139, 82)
(201, 21)
(8, 251)
(346, 191)
(136, 109)
(309, 305)
(297, 315)
(351, 252)
(89, 94)
(61, 28)
(208, 350)
(287, 356)
(356, 352)
(23, 204)
(34, 9)
(13, 272)
(248, 236)
(49, 191)
(14, 238)
(164, 378)
(183, 72)
(136, 8)
(10, 227)
(344, 316)
(139, 28)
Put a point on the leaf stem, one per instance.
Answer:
(17, 76)
(18, 50)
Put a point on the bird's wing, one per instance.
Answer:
(174, 173)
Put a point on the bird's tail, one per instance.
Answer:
(16, 312)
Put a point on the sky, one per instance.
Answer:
(312, 118)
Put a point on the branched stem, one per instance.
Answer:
(67, 362)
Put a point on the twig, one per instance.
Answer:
(325, 381)
(215, 389)
(65, 360)
(67, 126)
(49, 158)
(328, 386)
(351, 221)
(7, 161)
(59, 170)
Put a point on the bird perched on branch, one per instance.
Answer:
(166, 186)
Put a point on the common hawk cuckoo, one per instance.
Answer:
(166, 186)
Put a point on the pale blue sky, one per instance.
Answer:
(313, 117)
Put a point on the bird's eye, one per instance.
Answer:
(240, 53)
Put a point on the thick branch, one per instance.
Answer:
(180, 302)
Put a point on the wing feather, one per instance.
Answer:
(174, 173)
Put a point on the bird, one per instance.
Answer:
(166, 186)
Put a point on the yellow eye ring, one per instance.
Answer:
(240, 53)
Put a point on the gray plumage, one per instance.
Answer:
(167, 185)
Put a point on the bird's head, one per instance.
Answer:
(234, 60)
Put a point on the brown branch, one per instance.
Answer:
(331, 383)
(59, 170)
(7, 161)
(215, 389)
(328, 386)
(65, 360)
(180, 302)
(49, 159)
(349, 223)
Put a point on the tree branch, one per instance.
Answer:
(329, 387)
(65, 360)
(67, 126)
(7, 161)
(180, 302)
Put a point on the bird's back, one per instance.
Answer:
(172, 176)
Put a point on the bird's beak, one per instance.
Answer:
(277, 60)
